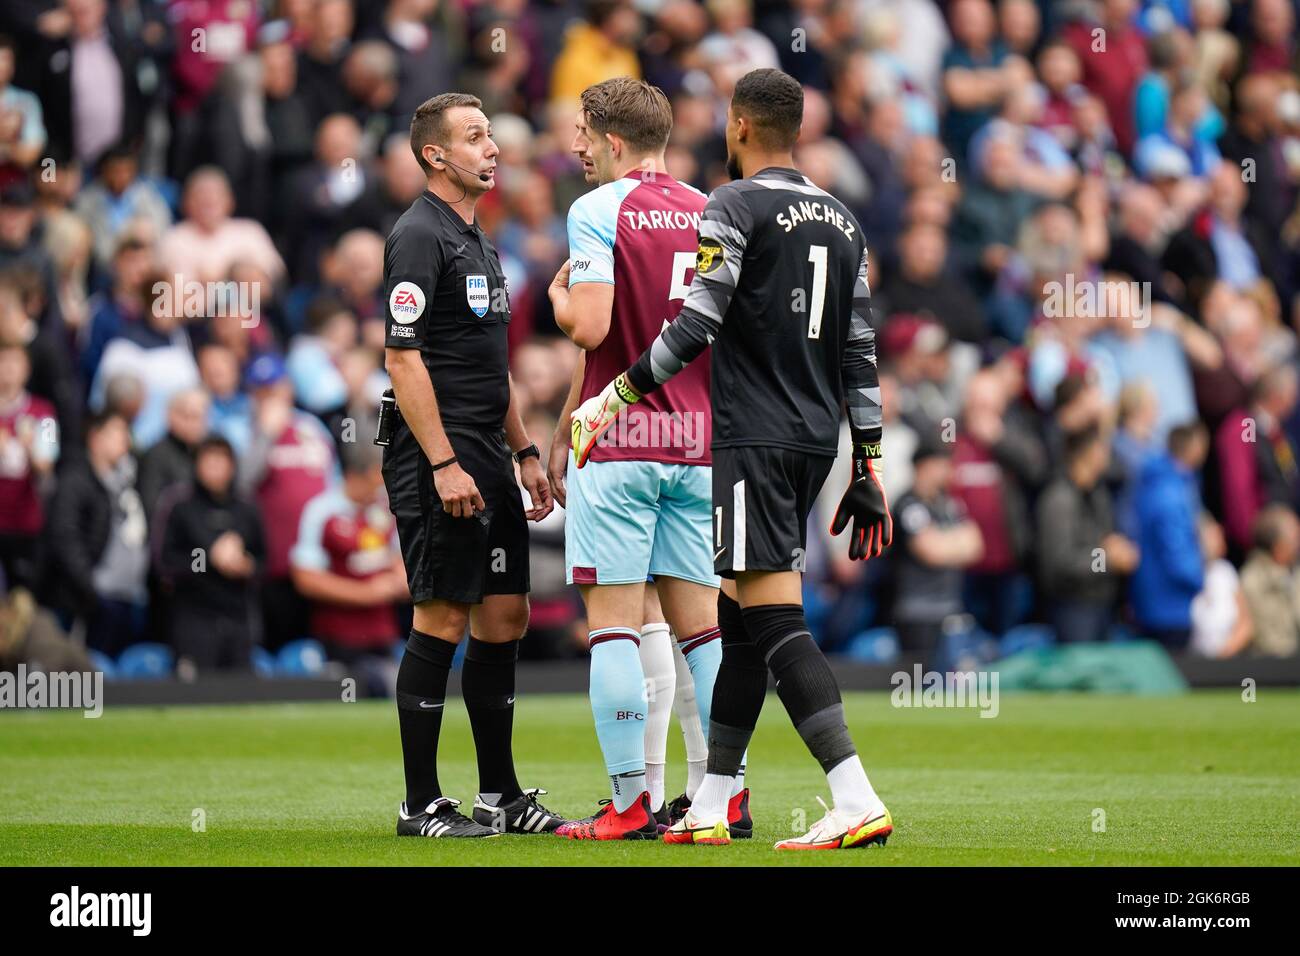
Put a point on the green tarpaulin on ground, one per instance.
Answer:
(1138, 667)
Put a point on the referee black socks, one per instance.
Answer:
(421, 698)
(488, 684)
(804, 680)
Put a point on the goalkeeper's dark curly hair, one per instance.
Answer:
(773, 102)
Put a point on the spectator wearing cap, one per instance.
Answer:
(209, 552)
(290, 459)
(157, 352)
(96, 552)
(1171, 571)
(119, 203)
(22, 127)
(1080, 556)
(29, 449)
(347, 564)
(995, 470)
(21, 250)
(935, 542)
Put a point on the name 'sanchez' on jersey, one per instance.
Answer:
(806, 211)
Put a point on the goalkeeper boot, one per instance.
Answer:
(524, 814)
(838, 831)
(691, 829)
(439, 819)
(637, 822)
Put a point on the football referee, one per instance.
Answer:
(451, 484)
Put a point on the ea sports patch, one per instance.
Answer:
(709, 257)
(406, 302)
(476, 294)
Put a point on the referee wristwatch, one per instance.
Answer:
(532, 451)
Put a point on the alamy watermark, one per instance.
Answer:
(1103, 298)
(37, 689)
(192, 299)
(946, 689)
(646, 429)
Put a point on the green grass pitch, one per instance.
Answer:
(1202, 778)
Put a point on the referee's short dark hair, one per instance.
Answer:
(630, 108)
(773, 102)
(429, 125)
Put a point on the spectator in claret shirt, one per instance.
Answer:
(995, 469)
(346, 563)
(210, 552)
(1112, 70)
(29, 448)
(290, 459)
(1257, 459)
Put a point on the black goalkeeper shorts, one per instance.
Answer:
(458, 559)
(761, 500)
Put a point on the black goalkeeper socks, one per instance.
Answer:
(804, 681)
(487, 682)
(738, 692)
(421, 697)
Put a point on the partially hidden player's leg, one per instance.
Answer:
(737, 702)
(772, 608)
(693, 609)
(660, 682)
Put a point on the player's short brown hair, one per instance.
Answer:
(632, 109)
(773, 102)
(429, 124)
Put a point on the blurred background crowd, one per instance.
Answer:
(1085, 243)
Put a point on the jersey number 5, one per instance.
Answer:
(817, 256)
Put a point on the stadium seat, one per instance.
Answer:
(1026, 637)
(102, 663)
(301, 658)
(263, 662)
(879, 645)
(145, 662)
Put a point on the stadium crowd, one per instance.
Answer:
(1085, 247)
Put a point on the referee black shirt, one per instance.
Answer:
(447, 297)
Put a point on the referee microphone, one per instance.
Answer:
(483, 177)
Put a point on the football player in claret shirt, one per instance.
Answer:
(643, 506)
(780, 292)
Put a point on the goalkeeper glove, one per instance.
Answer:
(864, 502)
(592, 417)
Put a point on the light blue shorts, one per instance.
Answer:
(626, 520)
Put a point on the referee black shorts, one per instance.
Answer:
(458, 559)
(761, 500)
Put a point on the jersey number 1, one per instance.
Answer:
(817, 256)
